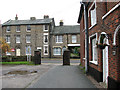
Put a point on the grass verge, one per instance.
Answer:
(17, 63)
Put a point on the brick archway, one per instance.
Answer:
(115, 34)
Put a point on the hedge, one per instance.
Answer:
(15, 58)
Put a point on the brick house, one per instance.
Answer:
(104, 41)
(64, 36)
(25, 36)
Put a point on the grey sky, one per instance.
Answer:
(67, 10)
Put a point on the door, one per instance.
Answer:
(17, 52)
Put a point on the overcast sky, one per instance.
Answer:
(66, 10)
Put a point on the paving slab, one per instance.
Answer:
(63, 77)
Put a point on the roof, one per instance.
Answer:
(71, 29)
(82, 10)
(26, 22)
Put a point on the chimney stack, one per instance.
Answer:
(32, 18)
(61, 23)
(46, 16)
(16, 18)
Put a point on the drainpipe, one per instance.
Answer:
(86, 38)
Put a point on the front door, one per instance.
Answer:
(17, 52)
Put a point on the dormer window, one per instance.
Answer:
(28, 28)
(8, 29)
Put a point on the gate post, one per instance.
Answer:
(37, 57)
(66, 57)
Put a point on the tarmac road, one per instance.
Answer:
(63, 77)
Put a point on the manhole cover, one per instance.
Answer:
(20, 72)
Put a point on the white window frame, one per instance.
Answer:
(94, 50)
(17, 29)
(27, 39)
(8, 28)
(17, 39)
(44, 49)
(27, 28)
(56, 54)
(45, 34)
(44, 27)
(89, 11)
(7, 39)
(58, 38)
(74, 38)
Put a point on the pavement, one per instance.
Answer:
(63, 77)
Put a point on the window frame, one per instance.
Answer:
(44, 27)
(28, 39)
(95, 14)
(28, 28)
(17, 28)
(58, 38)
(93, 49)
(74, 40)
(17, 39)
(7, 39)
(45, 34)
(54, 51)
(8, 29)
(45, 49)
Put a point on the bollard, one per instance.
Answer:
(66, 57)
(37, 57)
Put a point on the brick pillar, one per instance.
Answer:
(37, 57)
(66, 57)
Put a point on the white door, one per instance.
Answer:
(17, 52)
(105, 64)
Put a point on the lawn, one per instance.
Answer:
(17, 63)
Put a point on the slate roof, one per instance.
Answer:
(71, 29)
(26, 22)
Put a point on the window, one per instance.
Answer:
(8, 29)
(74, 39)
(94, 49)
(45, 37)
(59, 39)
(18, 39)
(28, 38)
(92, 13)
(28, 28)
(8, 38)
(17, 52)
(17, 28)
(28, 50)
(57, 51)
(45, 49)
(45, 27)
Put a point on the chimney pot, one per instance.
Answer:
(61, 23)
(16, 18)
(46, 16)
